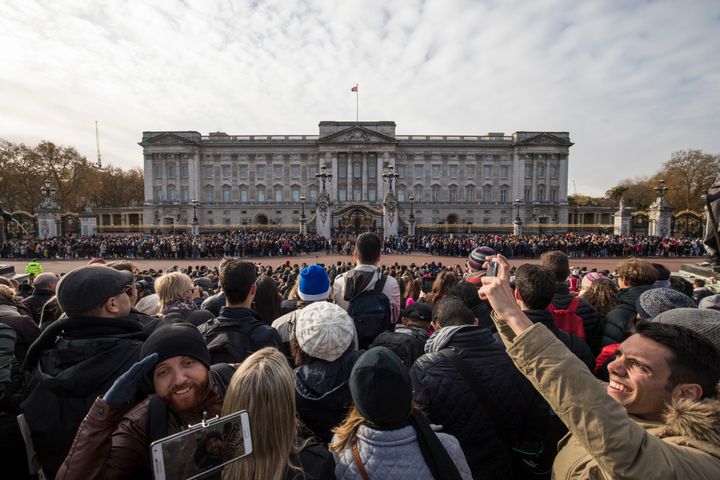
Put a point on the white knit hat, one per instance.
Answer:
(325, 331)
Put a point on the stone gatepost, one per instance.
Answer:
(390, 216)
(48, 218)
(621, 220)
(660, 218)
(88, 221)
(323, 216)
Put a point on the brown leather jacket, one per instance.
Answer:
(112, 443)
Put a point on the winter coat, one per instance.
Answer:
(592, 321)
(394, 454)
(366, 277)
(25, 329)
(617, 320)
(72, 362)
(574, 343)
(36, 302)
(112, 442)
(604, 441)
(316, 462)
(322, 393)
(441, 391)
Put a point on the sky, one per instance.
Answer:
(632, 81)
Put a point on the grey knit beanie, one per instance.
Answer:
(658, 300)
(704, 321)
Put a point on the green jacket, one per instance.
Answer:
(35, 268)
(604, 441)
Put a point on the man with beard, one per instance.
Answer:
(114, 440)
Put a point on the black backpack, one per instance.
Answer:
(230, 342)
(408, 345)
(371, 313)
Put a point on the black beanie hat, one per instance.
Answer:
(177, 339)
(380, 387)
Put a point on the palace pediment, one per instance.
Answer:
(166, 138)
(545, 139)
(357, 134)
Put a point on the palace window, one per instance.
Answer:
(401, 194)
(210, 195)
(470, 171)
(357, 169)
(157, 194)
(487, 194)
(504, 170)
(418, 190)
(528, 171)
(419, 171)
(226, 194)
(503, 195)
(278, 194)
(209, 171)
(185, 194)
(372, 168)
(528, 194)
(226, 171)
(243, 170)
(295, 194)
(295, 171)
(541, 171)
(487, 172)
(342, 194)
(313, 194)
(436, 171)
(171, 171)
(553, 171)
(342, 168)
(158, 171)
(261, 195)
(372, 194)
(453, 193)
(260, 171)
(184, 171)
(453, 170)
(357, 193)
(401, 171)
(435, 193)
(244, 194)
(277, 171)
(311, 171)
(172, 196)
(469, 193)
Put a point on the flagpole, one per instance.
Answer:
(357, 102)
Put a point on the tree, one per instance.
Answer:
(636, 193)
(689, 174)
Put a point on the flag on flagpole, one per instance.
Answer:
(354, 88)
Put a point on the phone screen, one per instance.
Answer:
(199, 451)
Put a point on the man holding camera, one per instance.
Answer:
(657, 418)
(114, 439)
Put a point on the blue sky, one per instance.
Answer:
(632, 81)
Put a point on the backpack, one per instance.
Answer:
(10, 392)
(408, 345)
(158, 411)
(230, 342)
(371, 313)
(568, 320)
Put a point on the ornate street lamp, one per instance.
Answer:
(194, 204)
(412, 215)
(48, 191)
(517, 210)
(661, 189)
(390, 175)
(323, 176)
(302, 203)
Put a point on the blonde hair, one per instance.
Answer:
(6, 293)
(172, 286)
(347, 430)
(263, 386)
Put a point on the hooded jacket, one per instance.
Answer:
(575, 344)
(617, 321)
(604, 441)
(73, 362)
(37, 301)
(364, 278)
(322, 393)
(592, 323)
(449, 401)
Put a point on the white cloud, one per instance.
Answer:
(631, 81)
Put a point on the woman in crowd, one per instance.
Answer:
(263, 386)
(602, 294)
(385, 435)
(177, 295)
(441, 286)
(412, 291)
(267, 299)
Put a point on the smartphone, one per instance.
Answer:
(202, 449)
(492, 269)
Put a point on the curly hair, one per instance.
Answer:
(602, 295)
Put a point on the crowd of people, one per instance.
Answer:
(267, 244)
(360, 369)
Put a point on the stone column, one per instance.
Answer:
(323, 216)
(88, 221)
(390, 216)
(350, 163)
(621, 221)
(363, 174)
(194, 176)
(660, 218)
(48, 217)
(148, 177)
(334, 171)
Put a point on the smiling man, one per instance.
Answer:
(659, 417)
(114, 440)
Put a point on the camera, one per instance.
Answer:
(492, 269)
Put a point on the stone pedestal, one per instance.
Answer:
(48, 218)
(660, 219)
(621, 221)
(517, 226)
(411, 226)
(195, 227)
(88, 221)
(390, 216)
(323, 222)
(303, 225)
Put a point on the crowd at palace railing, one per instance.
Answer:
(263, 244)
(457, 369)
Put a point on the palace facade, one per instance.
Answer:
(450, 182)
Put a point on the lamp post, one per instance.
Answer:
(411, 219)
(302, 215)
(48, 191)
(323, 176)
(390, 175)
(517, 223)
(195, 224)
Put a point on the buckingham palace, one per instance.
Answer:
(356, 176)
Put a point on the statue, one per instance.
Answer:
(712, 232)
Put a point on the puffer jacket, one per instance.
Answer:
(394, 454)
(73, 362)
(617, 321)
(112, 442)
(449, 401)
(322, 393)
(25, 329)
(592, 322)
(604, 441)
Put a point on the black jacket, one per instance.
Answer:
(449, 401)
(322, 393)
(36, 301)
(242, 321)
(592, 322)
(618, 320)
(73, 362)
(575, 344)
(316, 461)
